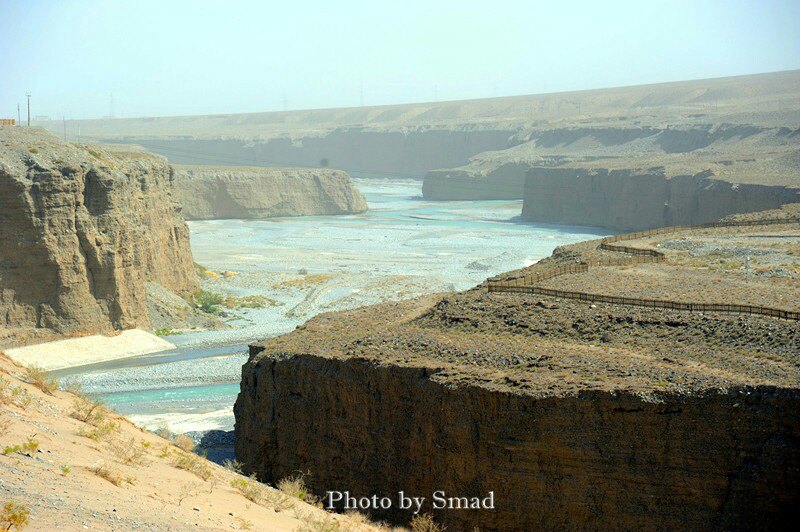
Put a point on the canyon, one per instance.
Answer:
(633, 178)
(82, 230)
(741, 130)
(572, 415)
(261, 192)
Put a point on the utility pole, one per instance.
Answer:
(19, 116)
(28, 94)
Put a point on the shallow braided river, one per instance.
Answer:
(403, 247)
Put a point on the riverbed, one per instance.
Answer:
(404, 246)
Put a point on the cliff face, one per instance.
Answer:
(409, 152)
(575, 417)
(248, 192)
(81, 230)
(744, 154)
(505, 181)
(597, 460)
(641, 199)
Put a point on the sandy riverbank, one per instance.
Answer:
(75, 352)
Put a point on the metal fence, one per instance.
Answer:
(525, 284)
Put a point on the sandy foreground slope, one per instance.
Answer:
(61, 482)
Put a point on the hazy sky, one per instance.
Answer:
(187, 57)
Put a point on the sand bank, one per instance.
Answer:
(179, 423)
(88, 350)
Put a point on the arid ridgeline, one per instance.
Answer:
(731, 142)
(82, 228)
(575, 415)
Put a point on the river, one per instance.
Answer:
(402, 247)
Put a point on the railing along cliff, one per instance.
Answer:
(526, 284)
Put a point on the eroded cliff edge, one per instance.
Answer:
(82, 230)
(633, 178)
(208, 192)
(642, 198)
(575, 415)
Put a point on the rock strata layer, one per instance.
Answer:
(575, 416)
(636, 199)
(596, 460)
(208, 192)
(82, 228)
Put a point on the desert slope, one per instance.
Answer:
(104, 473)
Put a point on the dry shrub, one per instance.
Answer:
(166, 451)
(295, 486)
(11, 449)
(21, 397)
(278, 500)
(99, 432)
(184, 443)
(244, 524)
(103, 471)
(127, 452)
(194, 464)
(38, 377)
(5, 424)
(88, 411)
(357, 517)
(254, 491)
(30, 446)
(15, 395)
(234, 466)
(249, 487)
(14, 516)
(5, 394)
(317, 523)
(164, 432)
(425, 523)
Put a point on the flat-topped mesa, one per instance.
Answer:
(564, 436)
(574, 415)
(82, 228)
(209, 192)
